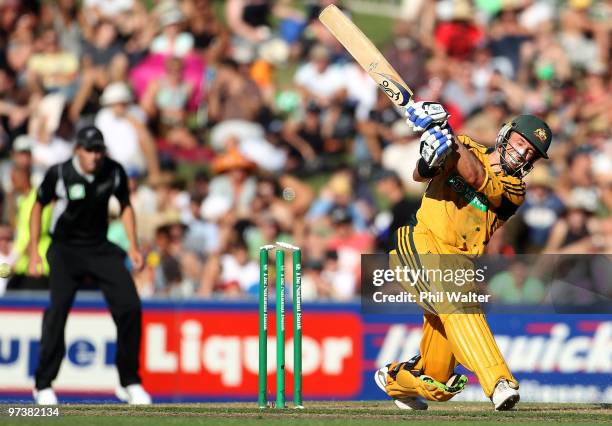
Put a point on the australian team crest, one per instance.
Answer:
(540, 134)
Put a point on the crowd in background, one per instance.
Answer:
(244, 122)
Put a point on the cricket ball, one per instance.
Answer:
(5, 270)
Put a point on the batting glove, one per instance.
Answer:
(422, 115)
(436, 145)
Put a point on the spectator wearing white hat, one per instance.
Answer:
(172, 40)
(122, 123)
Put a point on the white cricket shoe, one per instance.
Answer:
(409, 403)
(505, 396)
(45, 396)
(133, 394)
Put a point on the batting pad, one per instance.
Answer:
(407, 385)
(475, 348)
(437, 358)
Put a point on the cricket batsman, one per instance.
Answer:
(472, 191)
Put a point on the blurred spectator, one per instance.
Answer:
(579, 173)
(458, 37)
(401, 209)
(324, 278)
(233, 95)
(24, 197)
(230, 274)
(339, 193)
(595, 98)
(348, 243)
(66, 21)
(50, 68)
(576, 38)
(165, 100)
(543, 58)
(461, 90)
(404, 145)
(540, 211)
(434, 91)
(51, 142)
(484, 125)
(210, 37)
(320, 81)
(361, 90)
(571, 233)
(266, 230)
(313, 284)
(127, 139)
(507, 36)
(177, 268)
(284, 199)
(305, 138)
(516, 286)
(407, 55)
(167, 275)
(7, 255)
(249, 19)
(21, 157)
(93, 81)
(202, 236)
(172, 41)
(15, 109)
(21, 43)
(340, 284)
(376, 130)
(102, 48)
(234, 181)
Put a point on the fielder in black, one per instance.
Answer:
(81, 188)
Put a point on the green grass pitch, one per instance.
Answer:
(321, 413)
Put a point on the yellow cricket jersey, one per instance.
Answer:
(461, 218)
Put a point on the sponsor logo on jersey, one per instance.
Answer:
(76, 191)
(467, 193)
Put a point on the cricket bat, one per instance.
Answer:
(366, 54)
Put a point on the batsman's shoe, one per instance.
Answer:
(505, 396)
(410, 403)
(45, 396)
(133, 395)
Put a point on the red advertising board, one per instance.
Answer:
(216, 353)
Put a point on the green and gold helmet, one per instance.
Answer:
(532, 128)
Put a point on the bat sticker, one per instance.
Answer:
(399, 94)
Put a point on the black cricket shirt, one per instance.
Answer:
(80, 212)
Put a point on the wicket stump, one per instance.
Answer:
(280, 248)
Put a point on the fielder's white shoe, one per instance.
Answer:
(505, 396)
(44, 396)
(410, 403)
(133, 394)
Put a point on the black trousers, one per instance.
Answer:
(68, 265)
